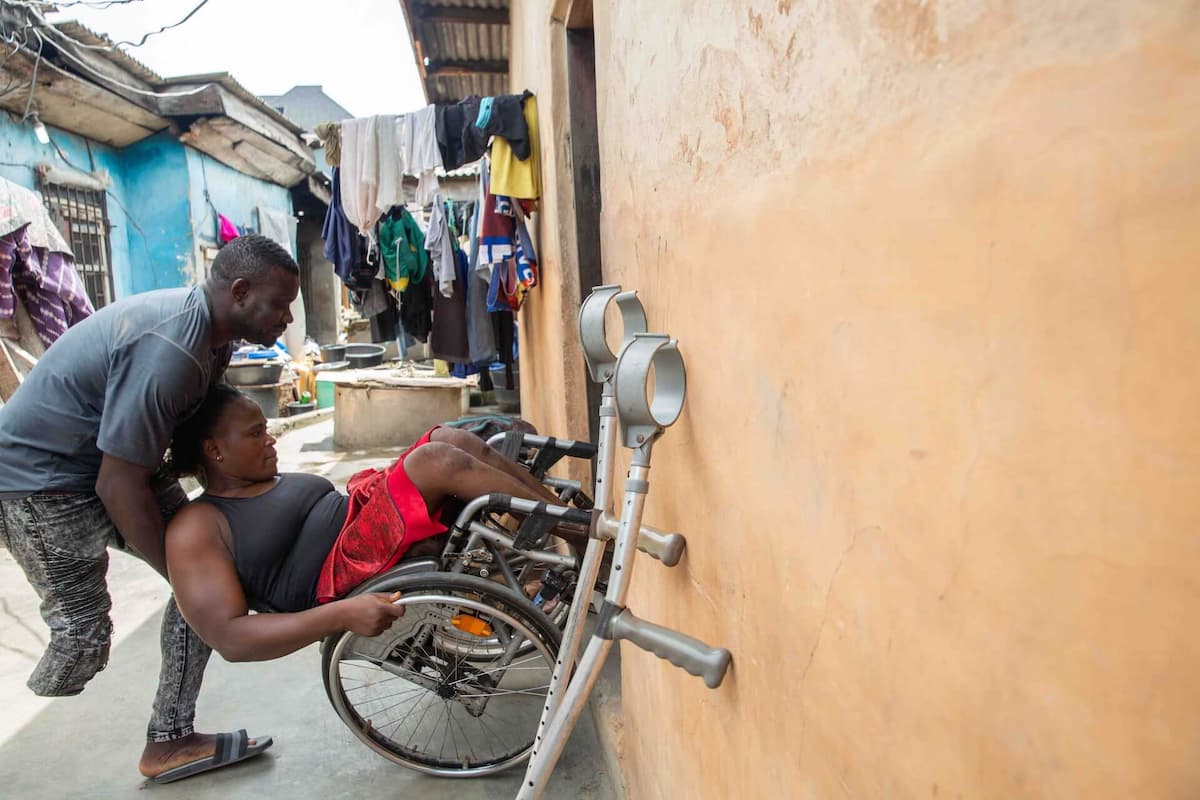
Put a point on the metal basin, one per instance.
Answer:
(333, 352)
(364, 355)
(253, 373)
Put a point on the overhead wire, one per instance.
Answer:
(35, 7)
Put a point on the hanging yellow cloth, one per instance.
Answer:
(512, 176)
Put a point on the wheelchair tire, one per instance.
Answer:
(422, 696)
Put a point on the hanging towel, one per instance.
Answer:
(424, 157)
(360, 190)
(330, 134)
(387, 162)
(511, 175)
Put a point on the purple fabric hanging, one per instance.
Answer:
(46, 282)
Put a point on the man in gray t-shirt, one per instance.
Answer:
(83, 442)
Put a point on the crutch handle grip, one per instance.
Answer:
(690, 655)
(666, 547)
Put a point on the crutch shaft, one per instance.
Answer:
(549, 745)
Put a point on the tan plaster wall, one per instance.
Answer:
(553, 391)
(933, 266)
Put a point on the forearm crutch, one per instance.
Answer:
(642, 422)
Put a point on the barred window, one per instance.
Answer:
(82, 216)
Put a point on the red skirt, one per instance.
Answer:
(387, 516)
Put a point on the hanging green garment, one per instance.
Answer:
(402, 246)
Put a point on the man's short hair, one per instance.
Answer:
(251, 256)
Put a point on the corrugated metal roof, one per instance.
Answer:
(85, 35)
(461, 46)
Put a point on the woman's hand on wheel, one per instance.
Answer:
(371, 614)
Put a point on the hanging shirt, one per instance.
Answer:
(340, 235)
(402, 246)
(416, 308)
(441, 248)
(481, 341)
(459, 139)
(503, 116)
(448, 340)
(512, 176)
(360, 189)
(497, 230)
(424, 157)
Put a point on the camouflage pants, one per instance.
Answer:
(61, 541)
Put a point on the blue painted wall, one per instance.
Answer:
(232, 193)
(20, 151)
(160, 245)
(160, 217)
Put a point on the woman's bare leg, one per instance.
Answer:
(482, 451)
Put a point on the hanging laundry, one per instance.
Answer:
(360, 190)
(402, 247)
(416, 307)
(330, 134)
(448, 340)
(424, 158)
(505, 116)
(440, 245)
(497, 230)
(459, 139)
(502, 289)
(482, 268)
(526, 259)
(46, 282)
(386, 162)
(481, 341)
(510, 174)
(226, 230)
(340, 235)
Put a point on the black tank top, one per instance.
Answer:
(282, 537)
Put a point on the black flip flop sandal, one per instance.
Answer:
(231, 748)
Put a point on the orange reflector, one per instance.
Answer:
(472, 625)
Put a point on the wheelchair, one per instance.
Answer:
(456, 687)
(470, 680)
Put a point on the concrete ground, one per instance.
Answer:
(88, 746)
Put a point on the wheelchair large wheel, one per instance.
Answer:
(457, 686)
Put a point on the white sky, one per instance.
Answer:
(358, 50)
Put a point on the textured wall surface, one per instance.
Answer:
(20, 152)
(933, 269)
(553, 389)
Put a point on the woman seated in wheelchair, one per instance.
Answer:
(292, 544)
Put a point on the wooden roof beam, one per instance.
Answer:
(449, 67)
(459, 16)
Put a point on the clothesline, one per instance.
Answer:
(444, 274)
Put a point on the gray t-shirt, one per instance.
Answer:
(118, 383)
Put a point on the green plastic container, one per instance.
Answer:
(324, 393)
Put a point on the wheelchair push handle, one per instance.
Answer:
(691, 655)
(506, 502)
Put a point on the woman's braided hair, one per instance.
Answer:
(186, 457)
